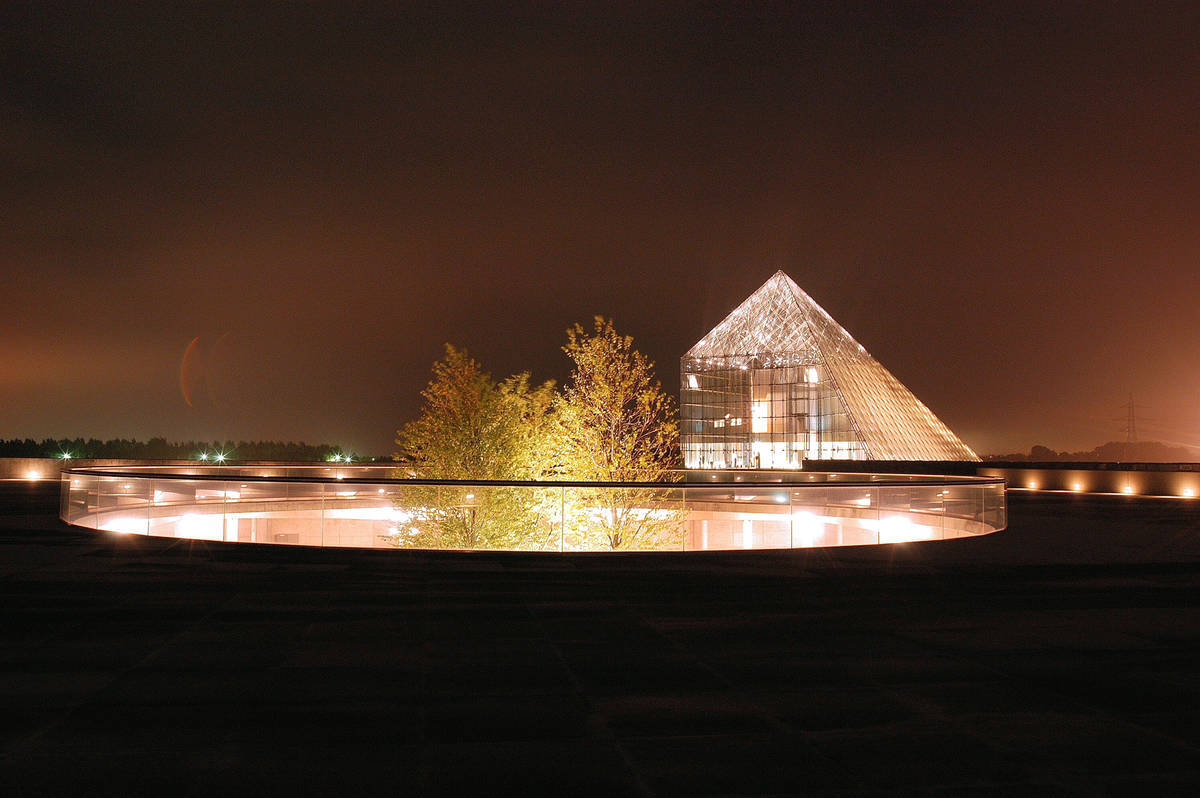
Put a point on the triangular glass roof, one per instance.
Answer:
(779, 325)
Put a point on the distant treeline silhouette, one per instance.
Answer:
(162, 449)
(1111, 452)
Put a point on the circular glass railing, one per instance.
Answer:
(370, 507)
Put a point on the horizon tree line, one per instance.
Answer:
(161, 449)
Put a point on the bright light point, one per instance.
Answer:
(1076, 487)
(898, 529)
(470, 495)
(220, 458)
(126, 487)
(381, 490)
(203, 455)
(200, 527)
(1032, 486)
(1127, 489)
(125, 526)
(33, 476)
(781, 499)
(807, 528)
(1188, 493)
(65, 456)
(759, 421)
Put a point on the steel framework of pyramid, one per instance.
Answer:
(779, 382)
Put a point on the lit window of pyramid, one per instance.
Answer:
(779, 382)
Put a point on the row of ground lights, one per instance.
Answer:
(1078, 487)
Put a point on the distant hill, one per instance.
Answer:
(1111, 452)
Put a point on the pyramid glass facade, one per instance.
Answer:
(779, 382)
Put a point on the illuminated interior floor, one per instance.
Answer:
(706, 530)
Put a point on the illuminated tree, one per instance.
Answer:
(474, 428)
(615, 424)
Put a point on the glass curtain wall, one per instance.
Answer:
(778, 382)
(742, 413)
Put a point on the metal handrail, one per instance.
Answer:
(886, 480)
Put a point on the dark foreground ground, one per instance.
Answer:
(1061, 657)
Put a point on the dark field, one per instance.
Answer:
(1059, 657)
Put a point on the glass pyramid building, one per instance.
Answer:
(779, 382)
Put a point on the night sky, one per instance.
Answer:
(1002, 204)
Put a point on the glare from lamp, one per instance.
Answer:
(807, 528)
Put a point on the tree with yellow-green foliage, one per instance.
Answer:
(472, 427)
(614, 423)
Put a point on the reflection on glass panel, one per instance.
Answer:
(82, 502)
(910, 513)
(963, 509)
(471, 517)
(64, 495)
(122, 504)
(995, 508)
(262, 512)
(855, 511)
(813, 523)
(506, 518)
(298, 518)
(738, 518)
(361, 515)
(623, 519)
(187, 508)
(416, 518)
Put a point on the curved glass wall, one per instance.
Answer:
(361, 506)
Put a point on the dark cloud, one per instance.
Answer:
(999, 202)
